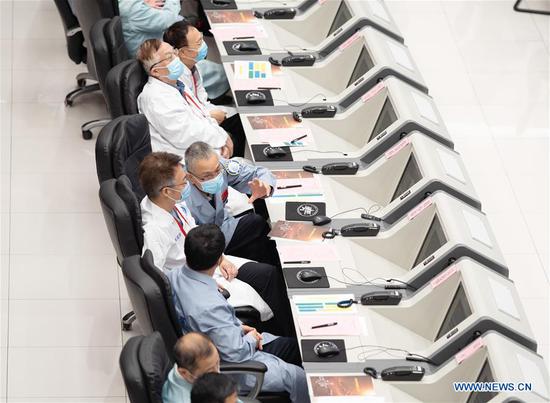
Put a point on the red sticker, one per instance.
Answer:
(350, 40)
(443, 276)
(321, 2)
(398, 147)
(373, 91)
(469, 350)
(421, 207)
(225, 194)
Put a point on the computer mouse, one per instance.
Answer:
(221, 2)
(255, 97)
(274, 152)
(297, 116)
(308, 276)
(321, 220)
(245, 47)
(326, 349)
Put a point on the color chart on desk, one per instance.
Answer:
(252, 70)
(322, 303)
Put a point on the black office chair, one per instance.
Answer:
(75, 49)
(124, 83)
(120, 147)
(151, 296)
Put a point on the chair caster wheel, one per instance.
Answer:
(87, 134)
(81, 82)
(126, 327)
(68, 102)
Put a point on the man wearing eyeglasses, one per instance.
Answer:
(211, 176)
(175, 121)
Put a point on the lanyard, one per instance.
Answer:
(191, 100)
(195, 85)
(179, 219)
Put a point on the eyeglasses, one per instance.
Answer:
(171, 57)
(175, 185)
(208, 176)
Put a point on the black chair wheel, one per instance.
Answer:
(87, 134)
(81, 82)
(68, 102)
(126, 327)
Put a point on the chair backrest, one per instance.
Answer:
(122, 215)
(151, 297)
(120, 147)
(144, 365)
(124, 83)
(73, 33)
(107, 43)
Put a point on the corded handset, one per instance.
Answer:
(298, 60)
(381, 298)
(277, 14)
(360, 229)
(318, 112)
(340, 168)
(403, 373)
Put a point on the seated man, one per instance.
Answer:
(166, 223)
(214, 388)
(175, 121)
(201, 308)
(148, 19)
(211, 175)
(195, 355)
(191, 49)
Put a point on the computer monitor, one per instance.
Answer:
(386, 118)
(411, 175)
(486, 375)
(364, 64)
(342, 16)
(457, 312)
(435, 239)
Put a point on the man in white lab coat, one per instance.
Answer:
(166, 222)
(192, 49)
(175, 119)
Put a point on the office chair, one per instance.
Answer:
(122, 215)
(124, 83)
(120, 147)
(75, 49)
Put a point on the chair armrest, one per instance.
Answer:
(255, 368)
(248, 315)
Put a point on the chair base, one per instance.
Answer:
(81, 79)
(128, 320)
(92, 124)
(527, 10)
(71, 96)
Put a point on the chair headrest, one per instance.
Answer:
(131, 371)
(155, 365)
(100, 50)
(115, 41)
(124, 83)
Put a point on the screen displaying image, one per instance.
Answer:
(343, 15)
(435, 239)
(411, 175)
(341, 385)
(486, 375)
(364, 64)
(458, 311)
(386, 118)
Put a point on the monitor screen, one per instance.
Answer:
(410, 176)
(386, 118)
(435, 239)
(343, 15)
(486, 375)
(458, 311)
(364, 64)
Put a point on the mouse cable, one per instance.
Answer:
(367, 281)
(301, 150)
(374, 347)
(305, 103)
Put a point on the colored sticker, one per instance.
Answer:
(421, 207)
(321, 2)
(443, 276)
(350, 40)
(398, 147)
(469, 350)
(373, 91)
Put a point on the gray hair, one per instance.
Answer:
(197, 151)
(148, 53)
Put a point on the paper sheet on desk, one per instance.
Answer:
(342, 387)
(310, 185)
(313, 253)
(297, 231)
(239, 84)
(316, 304)
(250, 70)
(280, 137)
(229, 33)
(346, 325)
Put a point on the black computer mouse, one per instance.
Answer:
(221, 2)
(308, 276)
(321, 220)
(326, 349)
(255, 97)
(274, 152)
(245, 47)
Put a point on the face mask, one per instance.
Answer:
(175, 69)
(213, 186)
(184, 193)
(203, 51)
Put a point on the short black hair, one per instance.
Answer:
(204, 246)
(176, 34)
(212, 388)
(191, 348)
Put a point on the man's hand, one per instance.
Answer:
(227, 149)
(154, 3)
(218, 114)
(255, 334)
(228, 269)
(258, 189)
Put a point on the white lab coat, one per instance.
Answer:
(163, 237)
(175, 123)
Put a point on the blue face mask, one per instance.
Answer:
(213, 186)
(175, 69)
(184, 193)
(203, 51)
